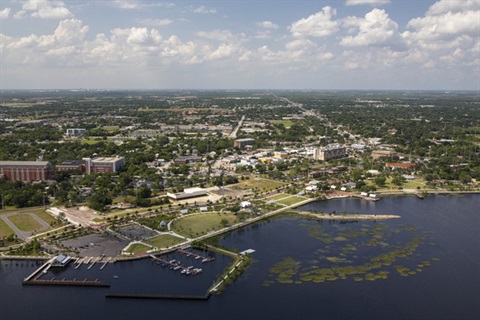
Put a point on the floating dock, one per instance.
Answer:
(196, 256)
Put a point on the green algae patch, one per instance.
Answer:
(350, 253)
(285, 270)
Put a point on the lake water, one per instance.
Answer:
(425, 265)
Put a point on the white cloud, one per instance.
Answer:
(376, 29)
(445, 6)
(4, 13)
(44, 9)
(219, 35)
(445, 26)
(204, 10)
(370, 2)
(156, 22)
(223, 51)
(267, 25)
(135, 4)
(318, 25)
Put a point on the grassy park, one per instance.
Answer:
(5, 230)
(196, 225)
(260, 183)
(164, 241)
(25, 222)
(137, 248)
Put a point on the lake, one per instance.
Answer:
(424, 265)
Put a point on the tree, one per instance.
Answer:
(380, 181)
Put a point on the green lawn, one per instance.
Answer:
(45, 216)
(196, 225)
(260, 183)
(110, 128)
(278, 196)
(291, 200)
(137, 248)
(25, 222)
(164, 241)
(409, 184)
(286, 123)
(5, 230)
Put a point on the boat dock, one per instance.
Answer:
(196, 256)
(176, 266)
(34, 278)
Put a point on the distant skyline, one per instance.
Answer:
(321, 45)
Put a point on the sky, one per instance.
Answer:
(275, 44)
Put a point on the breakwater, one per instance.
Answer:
(325, 216)
(156, 296)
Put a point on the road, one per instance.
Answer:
(233, 134)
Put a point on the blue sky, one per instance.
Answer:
(337, 44)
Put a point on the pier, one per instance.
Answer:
(175, 266)
(196, 256)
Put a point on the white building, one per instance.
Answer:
(330, 152)
(75, 131)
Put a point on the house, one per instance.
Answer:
(61, 261)
(311, 188)
(203, 209)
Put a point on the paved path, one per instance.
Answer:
(24, 235)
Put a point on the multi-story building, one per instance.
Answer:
(96, 165)
(75, 131)
(26, 171)
(71, 165)
(333, 151)
(99, 165)
(240, 143)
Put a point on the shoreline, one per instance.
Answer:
(326, 216)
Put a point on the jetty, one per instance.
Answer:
(196, 256)
(326, 216)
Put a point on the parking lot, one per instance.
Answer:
(136, 232)
(96, 245)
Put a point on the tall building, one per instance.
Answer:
(332, 151)
(26, 171)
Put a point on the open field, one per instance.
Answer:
(291, 200)
(25, 222)
(199, 224)
(137, 248)
(278, 196)
(42, 214)
(286, 123)
(260, 183)
(412, 184)
(164, 241)
(110, 128)
(5, 230)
